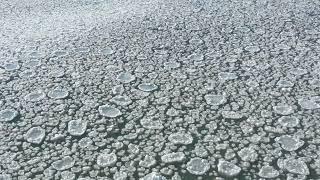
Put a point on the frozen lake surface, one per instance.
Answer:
(159, 90)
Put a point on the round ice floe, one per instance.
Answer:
(35, 54)
(215, 100)
(150, 123)
(268, 172)
(308, 104)
(289, 143)
(82, 49)
(60, 53)
(35, 96)
(33, 63)
(195, 41)
(106, 159)
(125, 77)
(248, 154)
(120, 175)
(35, 135)
(296, 166)
(180, 138)
(288, 121)
(5, 177)
(66, 162)
(228, 169)
(57, 73)
(11, 66)
(109, 111)
(283, 109)
(227, 76)
(7, 115)
(68, 175)
(85, 142)
(173, 157)
(196, 57)
(107, 51)
(285, 83)
(153, 176)
(252, 49)
(119, 89)
(147, 87)
(77, 127)
(298, 71)
(58, 93)
(171, 65)
(148, 162)
(232, 115)
(121, 100)
(198, 166)
(315, 82)
(27, 74)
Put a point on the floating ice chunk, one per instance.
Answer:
(308, 104)
(147, 87)
(285, 83)
(268, 172)
(85, 142)
(215, 100)
(66, 162)
(315, 82)
(283, 109)
(176, 176)
(35, 135)
(119, 89)
(153, 176)
(121, 100)
(7, 115)
(35, 96)
(201, 151)
(77, 127)
(5, 177)
(87, 178)
(288, 121)
(172, 65)
(33, 63)
(298, 71)
(82, 49)
(172, 112)
(198, 166)
(60, 53)
(195, 41)
(106, 159)
(248, 154)
(296, 166)
(58, 93)
(227, 76)
(57, 73)
(148, 161)
(289, 143)
(107, 51)
(27, 74)
(252, 49)
(232, 115)
(120, 175)
(196, 57)
(109, 111)
(11, 66)
(228, 169)
(125, 77)
(149, 123)
(173, 157)
(180, 138)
